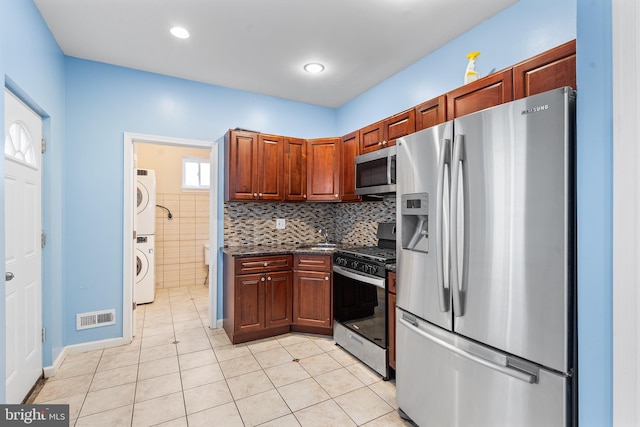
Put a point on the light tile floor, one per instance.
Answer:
(179, 372)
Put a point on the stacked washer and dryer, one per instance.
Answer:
(145, 288)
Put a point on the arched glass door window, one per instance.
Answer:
(19, 145)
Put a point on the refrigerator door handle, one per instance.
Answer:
(455, 240)
(507, 370)
(442, 225)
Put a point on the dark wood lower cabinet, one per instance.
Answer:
(264, 297)
(278, 294)
(312, 294)
(257, 296)
(391, 319)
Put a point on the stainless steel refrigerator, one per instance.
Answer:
(486, 267)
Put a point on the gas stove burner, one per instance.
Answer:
(374, 253)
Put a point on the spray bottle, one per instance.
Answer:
(471, 74)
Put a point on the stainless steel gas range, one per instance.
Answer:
(360, 299)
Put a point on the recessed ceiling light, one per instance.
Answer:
(314, 68)
(180, 32)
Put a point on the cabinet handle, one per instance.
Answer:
(384, 142)
(269, 278)
(260, 194)
(380, 143)
(255, 195)
(336, 195)
(262, 279)
(304, 196)
(266, 264)
(326, 278)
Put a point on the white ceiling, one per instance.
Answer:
(261, 45)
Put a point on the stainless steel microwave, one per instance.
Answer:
(376, 172)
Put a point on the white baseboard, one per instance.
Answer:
(50, 371)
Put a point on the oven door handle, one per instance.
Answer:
(376, 281)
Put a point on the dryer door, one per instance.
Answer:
(142, 265)
(142, 197)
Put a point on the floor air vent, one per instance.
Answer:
(95, 319)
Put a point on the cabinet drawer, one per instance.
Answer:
(247, 265)
(312, 262)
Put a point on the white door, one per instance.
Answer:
(23, 261)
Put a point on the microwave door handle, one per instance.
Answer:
(442, 210)
(390, 160)
(456, 236)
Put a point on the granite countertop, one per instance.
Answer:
(260, 250)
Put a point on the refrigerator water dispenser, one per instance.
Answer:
(415, 222)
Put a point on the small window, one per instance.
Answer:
(196, 173)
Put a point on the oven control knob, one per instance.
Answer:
(372, 269)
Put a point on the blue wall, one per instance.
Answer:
(103, 101)
(595, 207)
(32, 65)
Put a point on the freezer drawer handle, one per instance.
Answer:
(507, 370)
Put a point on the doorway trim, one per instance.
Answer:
(626, 213)
(128, 243)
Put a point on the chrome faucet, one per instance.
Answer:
(324, 234)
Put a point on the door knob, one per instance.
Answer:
(8, 276)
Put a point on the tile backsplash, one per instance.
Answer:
(346, 223)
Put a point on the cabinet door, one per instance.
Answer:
(312, 298)
(549, 70)
(279, 286)
(489, 91)
(249, 304)
(371, 137)
(431, 113)
(295, 170)
(241, 166)
(270, 168)
(399, 125)
(391, 318)
(323, 169)
(350, 149)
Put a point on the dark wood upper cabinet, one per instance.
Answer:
(431, 113)
(295, 170)
(371, 137)
(270, 168)
(385, 132)
(399, 125)
(495, 89)
(349, 150)
(550, 70)
(323, 169)
(253, 166)
(241, 165)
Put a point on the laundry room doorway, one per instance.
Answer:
(170, 211)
